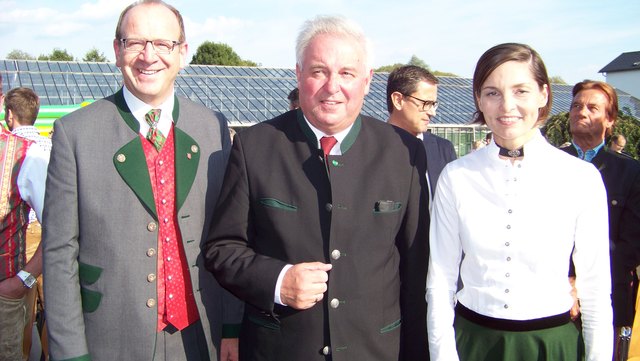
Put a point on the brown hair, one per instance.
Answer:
(612, 107)
(405, 79)
(501, 54)
(182, 37)
(24, 104)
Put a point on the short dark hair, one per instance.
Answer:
(293, 95)
(24, 104)
(608, 90)
(405, 79)
(501, 54)
(182, 37)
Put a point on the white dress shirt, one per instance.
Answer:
(139, 109)
(517, 225)
(32, 178)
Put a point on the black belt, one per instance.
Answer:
(513, 325)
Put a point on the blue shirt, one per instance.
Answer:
(589, 154)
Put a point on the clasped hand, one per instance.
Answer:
(304, 284)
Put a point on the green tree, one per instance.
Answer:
(413, 61)
(557, 80)
(388, 68)
(16, 54)
(418, 62)
(211, 53)
(57, 55)
(95, 56)
(557, 132)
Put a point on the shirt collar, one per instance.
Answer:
(139, 109)
(535, 142)
(339, 136)
(589, 154)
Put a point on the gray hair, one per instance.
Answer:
(333, 25)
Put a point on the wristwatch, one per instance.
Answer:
(27, 279)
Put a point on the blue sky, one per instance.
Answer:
(575, 38)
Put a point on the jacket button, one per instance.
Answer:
(335, 303)
(194, 148)
(151, 277)
(326, 350)
(151, 252)
(121, 158)
(614, 202)
(151, 302)
(335, 254)
(328, 207)
(152, 226)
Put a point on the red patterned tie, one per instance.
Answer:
(327, 143)
(154, 135)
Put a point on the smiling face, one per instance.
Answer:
(510, 99)
(333, 80)
(150, 76)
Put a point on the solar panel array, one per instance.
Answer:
(246, 95)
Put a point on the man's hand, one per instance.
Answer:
(12, 288)
(575, 309)
(229, 349)
(304, 284)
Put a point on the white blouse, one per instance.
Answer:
(518, 225)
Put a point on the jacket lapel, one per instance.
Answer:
(131, 164)
(130, 161)
(187, 158)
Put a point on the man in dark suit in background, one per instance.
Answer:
(412, 100)
(328, 248)
(593, 114)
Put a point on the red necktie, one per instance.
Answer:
(327, 143)
(154, 135)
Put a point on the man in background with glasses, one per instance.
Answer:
(412, 100)
(132, 183)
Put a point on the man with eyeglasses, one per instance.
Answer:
(131, 187)
(412, 100)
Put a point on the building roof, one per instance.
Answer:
(245, 95)
(624, 62)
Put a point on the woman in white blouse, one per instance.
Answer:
(507, 219)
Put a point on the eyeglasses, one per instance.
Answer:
(426, 104)
(159, 46)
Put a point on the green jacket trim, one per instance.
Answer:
(230, 330)
(131, 164)
(346, 143)
(79, 358)
(88, 274)
(90, 299)
(392, 326)
(276, 203)
(187, 158)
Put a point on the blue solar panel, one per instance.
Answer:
(246, 95)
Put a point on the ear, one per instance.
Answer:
(367, 84)
(396, 99)
(184, 50)
(117, 51)
(544, 96)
